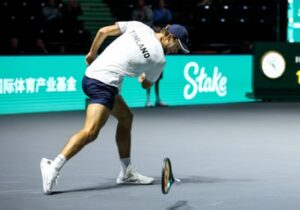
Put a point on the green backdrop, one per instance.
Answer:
(53, 83)
(293, 30)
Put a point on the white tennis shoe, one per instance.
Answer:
(131, 176)
(49, 175)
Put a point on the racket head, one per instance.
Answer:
(167, 178)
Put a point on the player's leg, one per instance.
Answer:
(128, 175)
(123, 134)
(101, 97)
(96, 116)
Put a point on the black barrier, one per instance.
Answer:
(276, 71)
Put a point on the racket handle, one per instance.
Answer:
(177, 180)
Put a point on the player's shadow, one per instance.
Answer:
(105, 186)
(111, 185)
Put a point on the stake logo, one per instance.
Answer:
(200, 82)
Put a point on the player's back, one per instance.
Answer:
(136, 51)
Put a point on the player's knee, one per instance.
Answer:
(127, 119)
(91, 135)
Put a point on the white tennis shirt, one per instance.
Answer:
(134, 52)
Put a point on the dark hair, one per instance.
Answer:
(164, 30)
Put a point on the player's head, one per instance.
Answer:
(175, 39)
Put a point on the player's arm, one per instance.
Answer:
(112, 30)
(145, 83)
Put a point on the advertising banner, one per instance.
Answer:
(53, 83)
(41, 83)
(198, 79)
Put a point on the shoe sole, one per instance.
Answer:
(44, 176)
(133, 183)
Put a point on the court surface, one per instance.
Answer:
(237, 156)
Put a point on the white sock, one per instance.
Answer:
(125, 162)
(59, 161)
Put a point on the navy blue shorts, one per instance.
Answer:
(98, 92)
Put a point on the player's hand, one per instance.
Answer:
(145, 83)
(142, 78)
(89, 58)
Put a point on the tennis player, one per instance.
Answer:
(137, 52)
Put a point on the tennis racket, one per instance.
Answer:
(167, 178)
